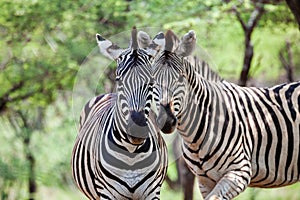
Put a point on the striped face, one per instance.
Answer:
(134, 89)
(169, 90)
(169, 72)
(134, 82)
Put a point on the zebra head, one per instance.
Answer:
(134, 85)
(170, 78)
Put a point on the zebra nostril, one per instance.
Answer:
(169, 125)
(138, 117)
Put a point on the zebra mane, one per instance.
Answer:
(134, 42)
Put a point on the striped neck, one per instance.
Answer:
(200, 101)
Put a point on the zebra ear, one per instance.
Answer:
(187, 44)
(157, 43)
(151, 46)
(159, 39)
(172, 41)
(143, 39)
(107, 48)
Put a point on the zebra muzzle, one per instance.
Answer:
(166, 120)
(137, 128)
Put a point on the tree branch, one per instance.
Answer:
(248, 30)
(255, 16)
(5, 97)
(240, 19)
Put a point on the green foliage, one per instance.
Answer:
(40, 56)
(12, 163)
(51, 147)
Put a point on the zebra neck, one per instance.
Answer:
(203, 69)
(120, 122)
(201, 105)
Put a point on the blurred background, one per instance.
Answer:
(44, 45)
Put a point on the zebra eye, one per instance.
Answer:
(118, 78)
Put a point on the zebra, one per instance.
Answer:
(184, 47)
(233, 136)
(119, 152)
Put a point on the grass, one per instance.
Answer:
(289, 192)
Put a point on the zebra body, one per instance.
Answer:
(119, 152)
(232, 136)
(109, 167)
(248, 134)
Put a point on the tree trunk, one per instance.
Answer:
(27, 136)
(294, 6)
(248, 28)
(286, 58)
(186, 178)
(32, 186)
(290, 67)
(247, 61)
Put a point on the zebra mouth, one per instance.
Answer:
(137, 128)
(137, 134)
(135, 140)
(168, 126)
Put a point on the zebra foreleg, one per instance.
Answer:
(228, 187)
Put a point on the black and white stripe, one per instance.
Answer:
(119, 152)
(232, 136)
